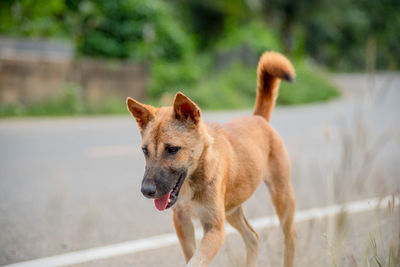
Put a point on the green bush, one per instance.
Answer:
(231, 88)
(190, 72)
(148, 32)
(255, 34)
(11, 109)
(311, 85)
(168, 76)
(235, 87)
(138, 30)
(70, 101)
(34, 19)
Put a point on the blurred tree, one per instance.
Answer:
(287, 15)
(339, 33)
(345, 33)
(33, 18)
(335, 33)
(207, 20)
(130, 29)
(126, 29)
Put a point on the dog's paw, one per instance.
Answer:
(196, 262)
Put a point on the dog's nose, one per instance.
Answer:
(148, 190)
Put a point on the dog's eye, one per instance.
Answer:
(145, 151)
(172, 149)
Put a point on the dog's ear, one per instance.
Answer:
(142, 113)
(185, 109)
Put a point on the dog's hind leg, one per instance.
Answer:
(280, 188)
(185, 231)
(250, 237)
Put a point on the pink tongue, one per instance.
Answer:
(162, 202)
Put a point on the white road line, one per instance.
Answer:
(113, 150)
(171, 239)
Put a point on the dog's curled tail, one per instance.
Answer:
(272, 68)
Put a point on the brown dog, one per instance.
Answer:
(209, 170)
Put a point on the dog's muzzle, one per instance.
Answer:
(164, 189)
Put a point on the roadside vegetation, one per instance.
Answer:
(207, 49)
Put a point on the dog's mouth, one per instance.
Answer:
(169, 199)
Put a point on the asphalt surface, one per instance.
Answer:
(68, 184)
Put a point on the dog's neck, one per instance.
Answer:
(197, 179)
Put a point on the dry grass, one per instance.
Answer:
(354, 172)
(374, 241)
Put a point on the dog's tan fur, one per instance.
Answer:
(225, 163)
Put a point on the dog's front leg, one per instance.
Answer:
(212, 241)
(184, 230)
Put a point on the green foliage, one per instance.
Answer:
(109, 106)
(69, 102)
(255, 34)
(11, 109)
(172, 76)
(230, 88)
(181, 42)
(168, 77)
(337, 33)
(235, 87)
(138, 30)
(311, 85)
(207, 20)
(33, 18)
(131, 29)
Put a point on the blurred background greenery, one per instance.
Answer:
(209, 49)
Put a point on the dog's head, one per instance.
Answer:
(173, 140)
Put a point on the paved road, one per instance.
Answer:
(73, 183)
